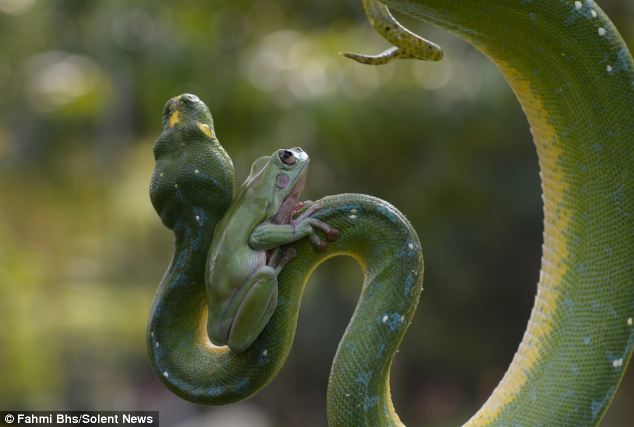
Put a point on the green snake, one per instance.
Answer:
(574, 78)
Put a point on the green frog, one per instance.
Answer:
(246, 253)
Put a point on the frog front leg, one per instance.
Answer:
(269, 235)
(255, 310)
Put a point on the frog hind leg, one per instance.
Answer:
(281, 257)
(256, 309)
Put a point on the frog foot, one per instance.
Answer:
(307, 208)
(281, 257)
(333, 234)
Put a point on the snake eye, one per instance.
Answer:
(287, 157)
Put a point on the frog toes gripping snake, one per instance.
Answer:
(574, 77)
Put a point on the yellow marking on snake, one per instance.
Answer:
(555, 251)
(175, 118)
(206, 130)
(204, 340)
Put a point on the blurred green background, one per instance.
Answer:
(82, 86)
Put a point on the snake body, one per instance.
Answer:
(574, 78)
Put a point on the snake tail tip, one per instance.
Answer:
(365, 59)
(349, 55)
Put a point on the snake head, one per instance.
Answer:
(184, 110)
(192, 169)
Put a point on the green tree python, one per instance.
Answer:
(574, 78)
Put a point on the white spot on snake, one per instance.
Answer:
(196, 171)
(385, 318)
(197, 217)
(593, 13)
(629, 321)
(609, 68)
(411, 246)
(161, 174)
(602, 31)
(352, 216)
(587, 340)
(354, 211)
(175, 185)
(347, 394)
(265, 352)
(617, 363)
(165, 374)
(152, 334)
(578, 5)
(156, 344)
(402, 318)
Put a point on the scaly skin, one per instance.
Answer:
(407, 45)
(574, 77)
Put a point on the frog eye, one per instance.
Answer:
(287, 157)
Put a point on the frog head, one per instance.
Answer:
(278, 180)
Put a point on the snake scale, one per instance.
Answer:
(574, 77)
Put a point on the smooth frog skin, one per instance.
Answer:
(245, 256)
